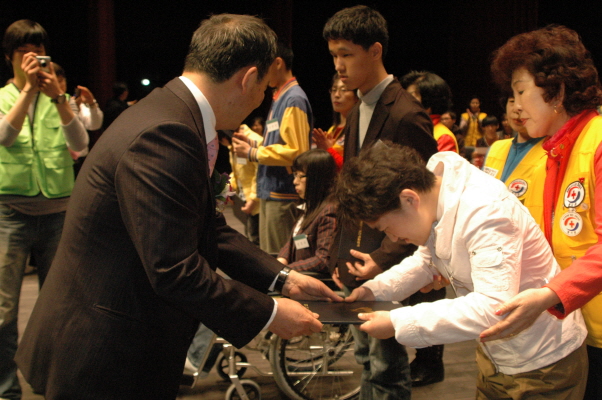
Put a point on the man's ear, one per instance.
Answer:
(376, 50)
(409, 197)
(249, 79)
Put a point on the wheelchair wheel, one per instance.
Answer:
(251, 389)
(321, 366)
(223, 366)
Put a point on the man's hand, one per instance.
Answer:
(48, 82)
(523, 309)
(379, 324)
(31, 67)
(336, 279)
(303, 287)
(240, 147)
(360, 294)
(292, 319)
(323, 140)
(248, 207)
(439, 282)
(366, 271)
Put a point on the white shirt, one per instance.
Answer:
(367, 105)
(206, 110)
(488, 245)
(91, 117)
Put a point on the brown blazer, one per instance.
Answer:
(320, 233)
(134, 273)
(397, 117)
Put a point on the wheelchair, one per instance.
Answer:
(320, 366)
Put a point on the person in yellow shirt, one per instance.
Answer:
(470, 122)
(519, 163)
(243, 181)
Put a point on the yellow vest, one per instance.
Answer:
(573, 229)
(440, 130)
(527, 180)
(472, 133)
(245, 174)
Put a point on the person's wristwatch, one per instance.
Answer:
(60, 99)
(281, 279)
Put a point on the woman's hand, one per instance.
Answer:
(323, 140)
(523, 309)
(86, 96)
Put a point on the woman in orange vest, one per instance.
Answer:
(556, 90)
(333, 140)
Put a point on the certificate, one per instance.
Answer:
(346, 313)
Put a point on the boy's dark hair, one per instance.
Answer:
(225, 43)
(434, 91)
(360, 25)
(286, 53)
(369, 185)
(452, 114)
(320, 171)
(489, 120)
(24, 32)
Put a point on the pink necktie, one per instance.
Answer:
(212, 148)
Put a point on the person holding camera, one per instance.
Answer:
(37, 129)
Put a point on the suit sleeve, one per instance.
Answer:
(417, 131)
(166, 207)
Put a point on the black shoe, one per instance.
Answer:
(426, 376)
(427, 367)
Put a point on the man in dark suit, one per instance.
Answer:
(357, 39)
(135, 270)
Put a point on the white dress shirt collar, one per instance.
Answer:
(206, 110)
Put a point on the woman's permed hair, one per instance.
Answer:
(557, 59)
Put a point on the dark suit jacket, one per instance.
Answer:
(134, 272)
(399, 118)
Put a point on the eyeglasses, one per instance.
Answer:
(298, 175)
(341, 90)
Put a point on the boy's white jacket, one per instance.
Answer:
(486, 242)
